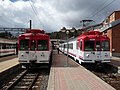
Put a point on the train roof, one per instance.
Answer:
(34, 32)
(92, 34)
(71, 39)
(7, 41)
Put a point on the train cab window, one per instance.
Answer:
(89, 46)
(42, 45)
(24, 44)
(97, 46)
(105, 45)
(33, 45)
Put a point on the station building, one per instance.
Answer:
(113, 32)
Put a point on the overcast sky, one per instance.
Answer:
(51, 15)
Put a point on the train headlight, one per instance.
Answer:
(87, 55)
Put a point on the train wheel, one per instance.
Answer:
(74, 59)
(77, 61)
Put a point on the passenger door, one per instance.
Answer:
(32, 52)
(98, 50)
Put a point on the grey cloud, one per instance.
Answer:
(54, 14)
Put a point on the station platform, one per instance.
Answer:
(115, 62)
(8, 64)
(73, 76)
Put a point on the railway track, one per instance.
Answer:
(106, 73)
(28, 80)
(7, 57)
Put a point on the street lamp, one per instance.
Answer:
(67, 31)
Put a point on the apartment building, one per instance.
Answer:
(113, 33)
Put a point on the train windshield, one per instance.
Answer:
(89, 46)
(42, 45)
(24, 44)
(105, 45)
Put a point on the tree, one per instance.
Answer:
(5, 34)
(57, 36)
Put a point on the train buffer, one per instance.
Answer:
(73, 76)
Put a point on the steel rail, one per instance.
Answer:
(32, 83)
(16, 81)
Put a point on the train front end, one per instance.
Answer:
(33, 48)
(95, 48)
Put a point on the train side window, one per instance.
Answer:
(42, 45)
(71, 46)
(65, 45)
(68, 46)
(24, 44)
(7, 46)
(4, 46)
(80, 45)
(1, 46)
(76, 45)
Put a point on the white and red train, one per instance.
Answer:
(89, 47)
(34, 48)
(7, 48)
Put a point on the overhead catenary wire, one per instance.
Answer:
(35, 11)
(97, 8)
(94, 14)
